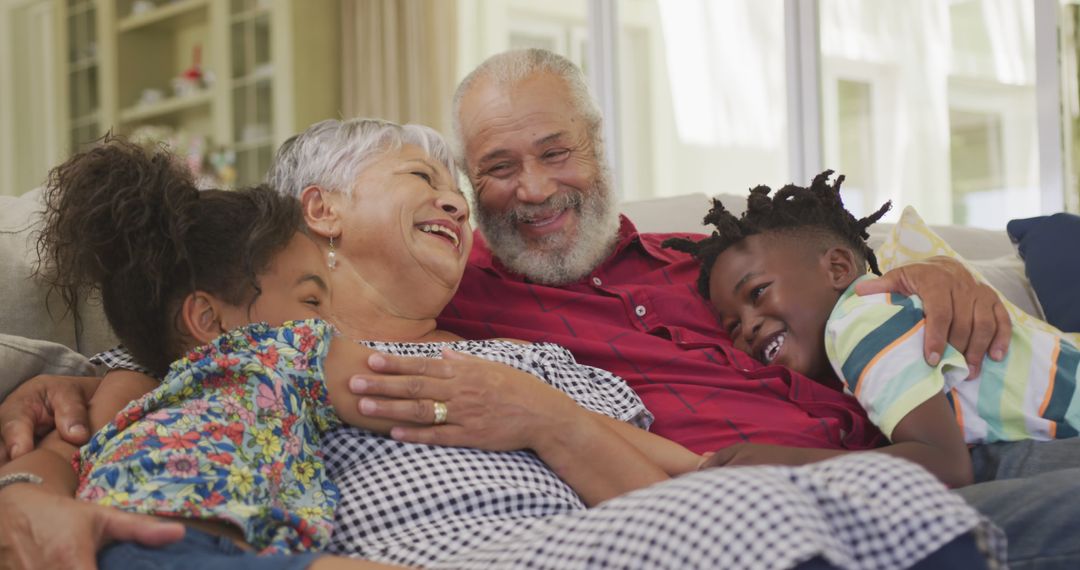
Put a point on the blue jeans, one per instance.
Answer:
(1032, 491)
(961, 552)
(196, 550)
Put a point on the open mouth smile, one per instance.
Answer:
(442, 231)
(771, 347)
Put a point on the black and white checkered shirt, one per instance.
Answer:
(448, 507)
(119, 358)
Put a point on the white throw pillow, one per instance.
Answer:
(23, 358)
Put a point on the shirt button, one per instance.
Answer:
(639, 310)
(596, 281)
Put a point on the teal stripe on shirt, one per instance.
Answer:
(872, 344)
(1064, 387)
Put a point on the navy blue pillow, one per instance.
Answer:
(1050, 246)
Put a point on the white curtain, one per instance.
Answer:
(398, 60)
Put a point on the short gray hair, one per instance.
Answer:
(510, 68)
(332, 153)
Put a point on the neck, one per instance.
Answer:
(362, 310)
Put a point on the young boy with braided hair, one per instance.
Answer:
(782, 280)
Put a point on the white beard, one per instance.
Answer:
(558, 258)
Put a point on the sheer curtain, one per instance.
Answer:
(399, 60)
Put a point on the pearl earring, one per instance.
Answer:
(331, 256)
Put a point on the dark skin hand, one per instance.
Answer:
(44, 530)
(979, 324)
(928, 435)
(42, 404)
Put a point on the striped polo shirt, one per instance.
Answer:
(875, 344)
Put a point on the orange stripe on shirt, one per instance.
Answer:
(870, 365)
(1050, 387)
(958, 409)
(1053, 374)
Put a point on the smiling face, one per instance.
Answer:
(774, 294)
(293, 287)
(543, 199)
(406, 225)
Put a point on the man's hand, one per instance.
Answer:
(489, 405)
(959, 309)
(42, 404)
(40, 529)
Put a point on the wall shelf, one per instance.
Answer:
(162, 14)
(259, 61)
(170, 106)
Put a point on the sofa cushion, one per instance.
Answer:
(1048, 245)
(26, 309)
(684, 214)
(911, 240)
(22, 358)
(668, 215)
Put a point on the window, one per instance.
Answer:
(935, 106)
(702, 96)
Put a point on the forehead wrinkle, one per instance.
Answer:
(549, 138)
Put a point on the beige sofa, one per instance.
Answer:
(38, 336)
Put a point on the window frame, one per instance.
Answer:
(804, 93)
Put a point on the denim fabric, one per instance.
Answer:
(1031, 490)
(1015, 459)
(961, 552)
(196, 550)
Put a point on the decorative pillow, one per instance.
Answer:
(912, 240)
(23, 358)
(1048, 245)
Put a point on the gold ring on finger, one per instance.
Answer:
(440, 413)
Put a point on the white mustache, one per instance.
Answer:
(554, 203)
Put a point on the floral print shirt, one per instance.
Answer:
(232, 434)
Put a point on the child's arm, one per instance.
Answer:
(928, 436)
(673, 458)
(345, 360)
(43, 526)
(52, 459)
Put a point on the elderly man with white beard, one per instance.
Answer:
(555, 262)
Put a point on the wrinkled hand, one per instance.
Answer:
(969, 314)
(489, 405)
(40, 529)
(42, 404)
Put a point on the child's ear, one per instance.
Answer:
(320, 208)
(841, 267)
(201, 314)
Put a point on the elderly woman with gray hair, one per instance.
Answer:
(569, 478)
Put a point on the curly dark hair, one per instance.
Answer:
(817, 209)
(130, 222)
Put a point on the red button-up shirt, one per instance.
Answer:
(639, 316)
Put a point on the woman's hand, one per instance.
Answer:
(41, 404)
(496, 407)
(489, 405)
(40, 529)
(969, 314)
(761, 454)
